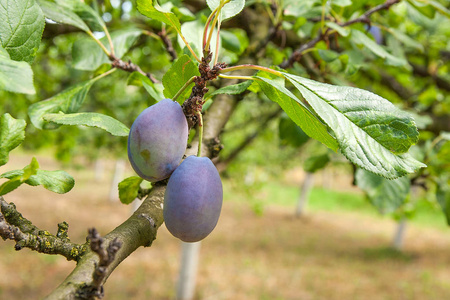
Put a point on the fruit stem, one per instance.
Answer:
(252, 67)
(191, 80)
(200, 133)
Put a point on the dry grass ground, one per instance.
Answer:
(327, 255)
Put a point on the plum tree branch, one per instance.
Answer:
(129, 67)
(364, 18)
(14, 226)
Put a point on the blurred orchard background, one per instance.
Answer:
(294, 225)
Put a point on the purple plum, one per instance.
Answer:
(158, 140)
(193, 199)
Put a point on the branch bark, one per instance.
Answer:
(15, 227)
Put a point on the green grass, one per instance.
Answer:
(320, 199)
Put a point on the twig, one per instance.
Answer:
(130, 67)
(168, 43)
(365, 18)
(14, 226)
(106, 256)
(222, 163)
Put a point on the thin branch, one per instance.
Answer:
(168, 43)
(223, 163)
(14, 226)
(106, 257)
(365, 18)
(130, 67)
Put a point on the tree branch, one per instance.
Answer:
(14, 226)
(297, 54)
(223, 163)
(130, 67)
(168, 43)
(106, 256)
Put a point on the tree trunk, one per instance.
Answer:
(118, 176)
(304, 193)
(188, 270)
(399, 237)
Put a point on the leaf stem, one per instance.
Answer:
(99, 43)
(191, 80)
(185, 41)
(200, 133)
(219, 8)
(108, 36)
(189, 46)
(105, 74)
(151, 34)
(205, 31)
(251, 67)
(216, 54)
(237, 77)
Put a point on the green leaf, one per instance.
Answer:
(154, 90)
(193, 33)
(88, 56)
(386, 195)
(290, 133)
(341, 30)
(361, 38)
(371, 132)
(178, 74)
(234, 89)
(297, 111)
(104, 122)
(12, 134)
(341, 3)
(68, 101)
(17, 177)
(15, 76)
(85, 12)
(424, 8)
(229, 10)
(21, 26)
(152, 10)
(129, 189)
(328, 55)
(406, 40)
(9, 186)
(62, 15)
(31, 169)
(56, 181)
(235, 40)
(316, 162)
(440, 8)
